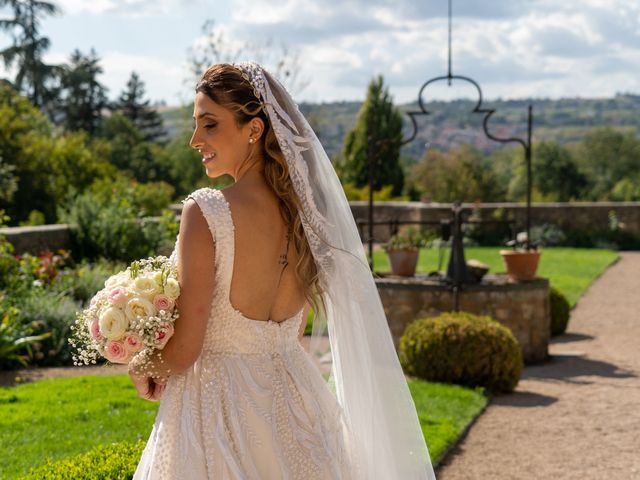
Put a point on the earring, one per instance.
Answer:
(251, 140)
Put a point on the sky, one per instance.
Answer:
(513, 48)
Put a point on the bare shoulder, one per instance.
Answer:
(194, 229)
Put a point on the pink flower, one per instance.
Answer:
(118, 296)
(162, 302)
(94, 329)
(94, 299)
(115, 352)
(163, 334)
(133, 343)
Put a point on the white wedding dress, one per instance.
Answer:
(254, 405)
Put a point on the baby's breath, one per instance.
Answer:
(89, 349)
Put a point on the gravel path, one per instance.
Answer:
(578, 415)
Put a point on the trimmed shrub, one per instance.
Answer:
(116, 461)
(462, 348)
(559, 307)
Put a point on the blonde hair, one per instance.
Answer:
(224, 84)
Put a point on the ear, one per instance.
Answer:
(256, 128)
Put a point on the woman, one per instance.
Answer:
(240, 397)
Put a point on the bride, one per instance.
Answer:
(240, 398)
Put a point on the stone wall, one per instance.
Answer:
(37, 238)
(522, 307)
(578, 215)
(575, 216)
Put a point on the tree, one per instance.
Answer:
(133, 106)
(556, 174)
(84, 96)
(28, 48)
(462, 174)
(608, 156)
(376, 136)
(8, 181)
(45, 165)
(130, 153)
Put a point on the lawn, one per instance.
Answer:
(62, 417)
(570, 270)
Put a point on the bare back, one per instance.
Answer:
(262, 288)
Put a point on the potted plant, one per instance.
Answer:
(403, 250)
(522, 260)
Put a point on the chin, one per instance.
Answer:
(213, 171)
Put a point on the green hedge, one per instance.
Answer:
(560, 308)
(116, 461)
(462, 348)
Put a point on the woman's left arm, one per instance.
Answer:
(196, 258)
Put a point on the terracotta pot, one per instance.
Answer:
(521, 265)
(403, 262)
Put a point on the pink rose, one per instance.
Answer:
(163, 334)
(94, 299)
(162, 302)
(118, 296)
(94, 329)
(115, 352)
(133, 343)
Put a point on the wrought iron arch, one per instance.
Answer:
(479, 108)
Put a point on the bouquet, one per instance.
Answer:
(133, 314)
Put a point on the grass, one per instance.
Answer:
(58, 418)
(444, 412)
(570, 270)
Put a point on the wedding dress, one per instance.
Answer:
(253, 405)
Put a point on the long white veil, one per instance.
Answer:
(386, 439)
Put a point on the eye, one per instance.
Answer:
(209, 126)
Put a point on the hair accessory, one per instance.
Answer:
(252, 74)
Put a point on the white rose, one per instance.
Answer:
(147, 287)
(113, 324)
(139, 307)
(157, 276)
(118, 280)
(172, 288)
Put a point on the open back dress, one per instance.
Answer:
(254, 405)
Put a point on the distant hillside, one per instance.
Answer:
(452, 123)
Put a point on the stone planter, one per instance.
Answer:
(521, 265)
(523, 307)
(403, 261)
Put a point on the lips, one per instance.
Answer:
(208, 157)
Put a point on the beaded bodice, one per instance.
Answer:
(228, 329)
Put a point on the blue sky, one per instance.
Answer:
(513, 48)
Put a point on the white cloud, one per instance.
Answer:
(511, 47)
(133, 8)
(162, 80)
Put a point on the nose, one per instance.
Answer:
(195, 142)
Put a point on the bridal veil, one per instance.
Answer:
(369, 383)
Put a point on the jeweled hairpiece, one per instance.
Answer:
(252, 73)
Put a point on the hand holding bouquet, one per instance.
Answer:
(133, 315)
